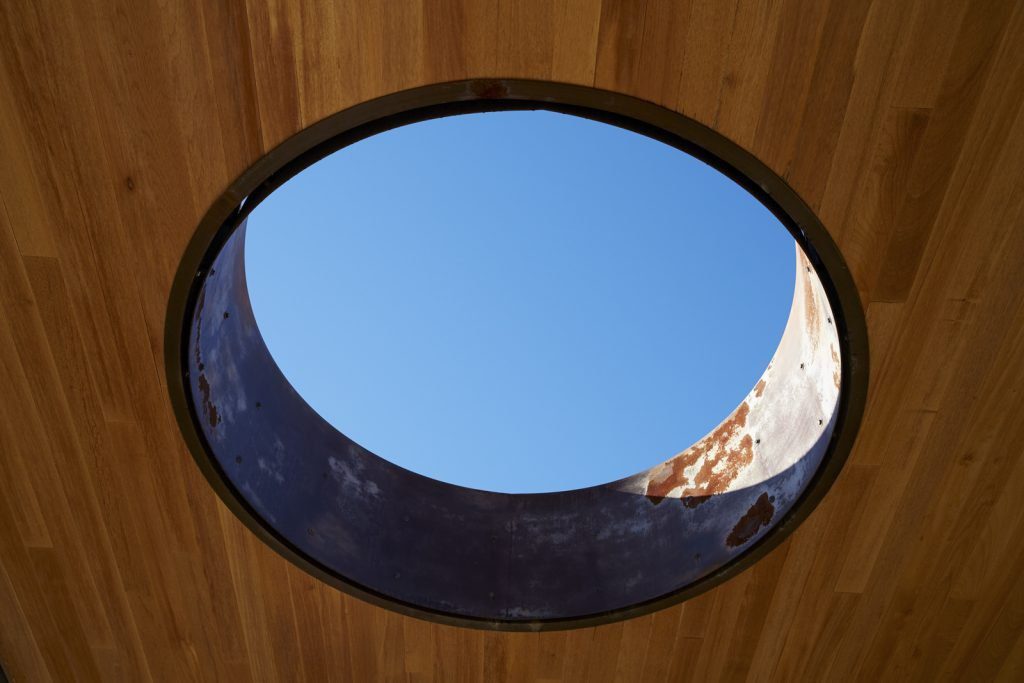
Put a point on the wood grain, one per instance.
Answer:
(901, 123)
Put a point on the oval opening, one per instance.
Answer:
(519, 301)
(512, 561)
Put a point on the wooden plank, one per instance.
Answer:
(805, 643)
(604, 653)
(24, 204)
(273, 29)
(755, 604)
(788, 82)
(419, 647)
(25, 624)
(665, 32)
(910, 543)
(619, 42)
(578, 645)
(975, 48)
(636, 638)
(392, 44)
(526, 41)
(551, 655)
(885, 183)
(829, 97)
(574, 45)
(900, 122)
(702, 65)
(800, 553)
(664, 631)
(745, 69)
(887, 37)
(459, 39)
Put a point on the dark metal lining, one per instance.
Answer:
(563, 571)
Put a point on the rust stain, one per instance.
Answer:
(489, 89)
(212, 416)
(711, 452)
(836, 366)
(211, 410)
(759, 388)
(810, 305)
(199, 324)
(759, 515)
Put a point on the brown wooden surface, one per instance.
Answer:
(900, 122)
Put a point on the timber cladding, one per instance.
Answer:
(899, 123)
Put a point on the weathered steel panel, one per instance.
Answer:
(502, 556)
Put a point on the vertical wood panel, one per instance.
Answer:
(902, 123)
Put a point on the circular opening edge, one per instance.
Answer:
(485, 95)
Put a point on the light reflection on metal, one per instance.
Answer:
(503, 557)
(774, 434)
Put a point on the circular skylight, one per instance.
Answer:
(503, 302)
(519, 301)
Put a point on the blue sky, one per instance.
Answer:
(519, 301)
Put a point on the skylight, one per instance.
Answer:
(519, 301)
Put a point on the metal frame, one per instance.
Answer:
(472, 96)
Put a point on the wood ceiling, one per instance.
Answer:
(900, 122)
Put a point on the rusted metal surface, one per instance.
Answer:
(501, 556)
